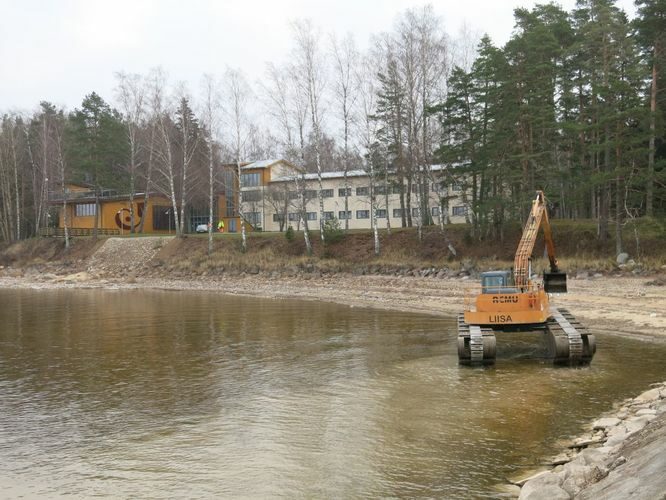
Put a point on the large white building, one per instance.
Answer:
(271, 197)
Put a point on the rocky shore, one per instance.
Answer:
(621, 456)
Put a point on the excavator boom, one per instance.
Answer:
(554, 281)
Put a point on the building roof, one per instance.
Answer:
(267, 163)
(260, 164)
(340, 174)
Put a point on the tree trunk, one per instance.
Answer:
(149, 173)
(240, 208)
(210, 196)
(649, 188)
(386, 201)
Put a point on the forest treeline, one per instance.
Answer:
(572, 104)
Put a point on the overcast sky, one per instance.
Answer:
(62, 50)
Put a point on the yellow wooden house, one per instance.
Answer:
(114, 217)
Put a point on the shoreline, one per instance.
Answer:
(619, 456)
(606, 305)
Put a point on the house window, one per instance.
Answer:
(397, 188)
(456, 186)
(253, 218)
(435, 211)
(381, 213)
(329, 216)
(344, 191)
(310, 194)
(276, 195)
(362, 191)
(416, 187)
(278, 217)
(327, 193)
(438, 187)
(397, 212)
(381, 189)
(311, 215)
(363, 214)
(416, 212)
(229, 182)
(230, 208)
(294, 216)
(249, 180)
(85, 209)
(293, 195)
(342, 215)
(254, 195)
(459, 211)
(163, 219)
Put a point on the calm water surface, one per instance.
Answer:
(172, 394)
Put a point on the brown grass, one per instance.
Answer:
(577, 248)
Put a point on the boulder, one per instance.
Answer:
(604, 423)
(77, 277)
(551, 492)
(616, 436)
(637, 423)
(577, 477)
(622, 258)
(649, 396)
(546, 485)
(593, 457)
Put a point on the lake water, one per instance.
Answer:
(156, 394)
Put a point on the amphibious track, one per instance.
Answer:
(569, 342)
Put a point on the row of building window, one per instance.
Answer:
(250, 180)
(85, 209)
(310, 194)
(365, 214)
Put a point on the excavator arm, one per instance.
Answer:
(554, 281)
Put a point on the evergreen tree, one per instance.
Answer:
(650, 28)
(97, 147)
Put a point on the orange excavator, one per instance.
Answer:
(518, 301)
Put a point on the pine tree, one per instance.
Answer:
(97, 146)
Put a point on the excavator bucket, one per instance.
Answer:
(555, 282)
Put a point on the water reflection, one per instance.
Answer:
(162, 394)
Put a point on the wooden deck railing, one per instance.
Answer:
(59, 232)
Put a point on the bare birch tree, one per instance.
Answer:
(211, 102)
(162, 146)
(238, 94)
(277, 93)
(311, 68)
(130, 94)
(367, 129)
(59, 126)
(345, 60)
(299, 181)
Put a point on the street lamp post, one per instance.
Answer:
(168, 212)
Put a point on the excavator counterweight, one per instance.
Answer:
(518, 301)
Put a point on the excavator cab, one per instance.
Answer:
(555, 282)
(498, 282)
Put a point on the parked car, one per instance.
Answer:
(202, 228)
